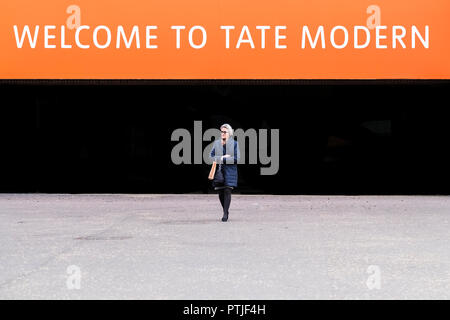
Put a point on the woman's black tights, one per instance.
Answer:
(225, 200)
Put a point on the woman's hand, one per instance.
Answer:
(225, 156)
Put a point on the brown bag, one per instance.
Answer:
(213, 171)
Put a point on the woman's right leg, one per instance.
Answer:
(221, 196)
(226, 203)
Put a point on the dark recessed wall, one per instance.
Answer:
(335, 138)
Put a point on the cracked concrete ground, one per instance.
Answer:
(175, 247)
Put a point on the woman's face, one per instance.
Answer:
(224, 133)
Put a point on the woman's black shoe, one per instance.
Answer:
(225, 217)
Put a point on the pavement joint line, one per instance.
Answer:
(66, 249)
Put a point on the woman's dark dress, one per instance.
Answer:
(229, 165)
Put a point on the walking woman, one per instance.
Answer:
(226, 153)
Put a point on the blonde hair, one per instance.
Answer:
(228, 127)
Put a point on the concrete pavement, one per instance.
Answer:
(59, 246)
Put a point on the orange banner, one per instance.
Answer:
(225, 39)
